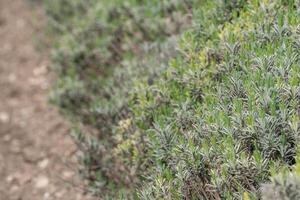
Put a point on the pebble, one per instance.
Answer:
(4, 117)
(43, 164)
(67, 174)
(32, 155)
(9, 179)
(12, 78)
(18, 178)
(41, 182)
(46, 195)
(40, 70)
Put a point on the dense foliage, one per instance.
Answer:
(284, 186)
(226, 113)
(96, 37)
(213, 119)
(100, 49)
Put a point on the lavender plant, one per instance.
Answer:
(100, 49)
(226, 112)
(214, 119)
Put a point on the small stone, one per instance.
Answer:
(41, 182)
(40, 70)
(9, 179)
(67, 174)
(32, 155)
(46, 195)
(43, 164)
(12, 78)
(4, 117)
(18, 178)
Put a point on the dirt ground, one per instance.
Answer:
(35, 150)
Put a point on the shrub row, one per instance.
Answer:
(213, 119)
(225, 115)
(97, 41)
(101, 48)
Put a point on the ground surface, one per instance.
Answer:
(34, 141)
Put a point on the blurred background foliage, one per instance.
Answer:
(101, 48)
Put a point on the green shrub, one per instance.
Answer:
(284, 186)
(211, 120)
(226, 112)
(98, 39)
(100, 49)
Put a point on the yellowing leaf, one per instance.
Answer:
(246, 196)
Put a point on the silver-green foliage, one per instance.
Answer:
(216, 124)
(226, 112)
(101, 47)
(284, 186)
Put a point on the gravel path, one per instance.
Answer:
(34, 141)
